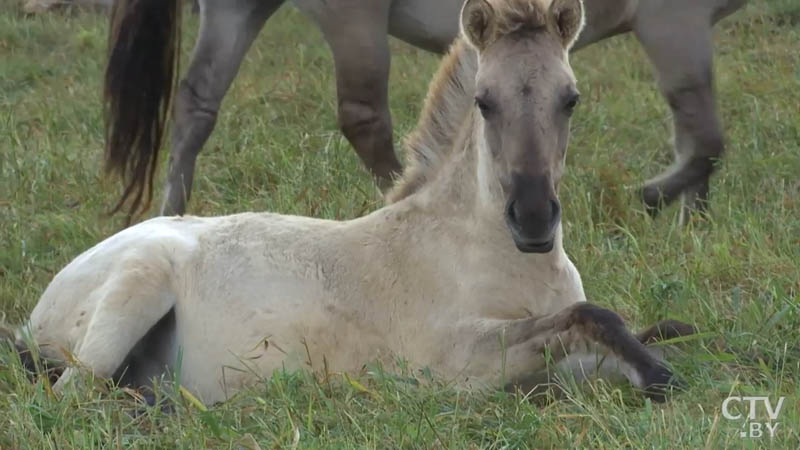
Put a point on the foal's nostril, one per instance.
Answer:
(555, 209)
(512, 212)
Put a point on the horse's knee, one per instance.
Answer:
(192, 104)
(357, 118)
(692, 98)
(697, 126)
(363, 108)
(368, 127)
(195, 116)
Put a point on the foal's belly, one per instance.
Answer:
(281, 324)
(233, 334)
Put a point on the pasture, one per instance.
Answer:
(276, 147)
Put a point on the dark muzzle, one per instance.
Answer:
(532, 213)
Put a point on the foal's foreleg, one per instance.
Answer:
(665, 330)
(585, 334)
(227, 29)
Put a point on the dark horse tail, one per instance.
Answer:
(140, 78)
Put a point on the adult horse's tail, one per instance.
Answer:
(140, 78)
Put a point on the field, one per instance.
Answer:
(276, 147)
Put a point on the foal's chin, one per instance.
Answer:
(526, 246)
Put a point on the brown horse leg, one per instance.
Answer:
(580, 336)
(679, 44)
(226, 32)
(356, 32)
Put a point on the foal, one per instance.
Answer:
(467, 275)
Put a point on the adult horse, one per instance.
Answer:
(466, 270)
(675, 34)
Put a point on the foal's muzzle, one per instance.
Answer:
(532, 214)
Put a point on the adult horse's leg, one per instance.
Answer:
(356, 31)
(678, 41)
(584, 338)
(227, 29)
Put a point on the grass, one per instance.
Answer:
(276, 147)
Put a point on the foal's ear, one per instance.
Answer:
(568, 15)
(477, 23)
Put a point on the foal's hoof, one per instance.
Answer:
(658, 381)
(653, 201)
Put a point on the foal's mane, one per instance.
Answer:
(451, 96)
(447, 105)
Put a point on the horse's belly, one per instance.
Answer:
(428, 24)
(233, 336)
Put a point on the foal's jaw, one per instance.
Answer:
(528, 246)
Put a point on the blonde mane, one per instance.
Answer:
(447, 105)
(451, 96)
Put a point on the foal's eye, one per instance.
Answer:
(483, 106)
(572, 102)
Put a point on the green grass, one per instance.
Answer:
(276, 147)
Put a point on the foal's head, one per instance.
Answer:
(526, 92)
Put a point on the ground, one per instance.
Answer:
(276, 147)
